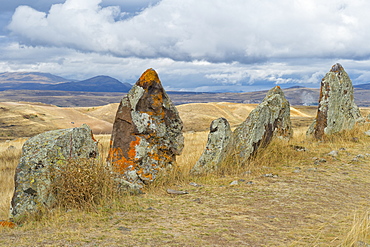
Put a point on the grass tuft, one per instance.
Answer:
(83, 184)
(359, 234)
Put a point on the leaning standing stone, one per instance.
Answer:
(147, 132)
(270, 118)
(337, 109)
(42, 155)
(218, 138)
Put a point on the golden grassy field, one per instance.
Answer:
(283, 197)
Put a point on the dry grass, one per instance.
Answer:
(284, 197)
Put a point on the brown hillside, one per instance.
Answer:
(24, 119)
(28, 119)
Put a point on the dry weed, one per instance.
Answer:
(359, 234)
(83, 184)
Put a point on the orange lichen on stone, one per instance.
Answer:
(157, 100)
(7, 224)
(145, 175)
(148, 77)
(120, 162)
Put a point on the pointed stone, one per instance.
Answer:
(337, 110)
(147, 132)
(218, 138)
(270, 118)
(42, 155)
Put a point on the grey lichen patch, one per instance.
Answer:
(135, 95)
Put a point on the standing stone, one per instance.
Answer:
(147, 132)
(218, 138)
(42, 155)
(270, 118)
(337, 109)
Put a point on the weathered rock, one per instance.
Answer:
(147, 132)
(337, 110)
(42, 155)
(218, 138)
(270, 118)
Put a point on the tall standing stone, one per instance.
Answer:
(147, 132)
(337, 109)
(270, 118)
(218, 138)
(42, 155)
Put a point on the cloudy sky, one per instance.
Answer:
(208, 45)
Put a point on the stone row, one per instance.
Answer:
(147, 137)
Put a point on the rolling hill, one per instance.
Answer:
(24, 119)
(46, 81)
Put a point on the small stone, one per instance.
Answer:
(270, 175)
(312, 169)
(250, 182)
(124, 229)
(235, 182)
(362, 244)
(333, 153)
(9, 224)
(342, 149)
(360, 156)
(176, 192)
(197, 200)
(367, 133)
(355, 139)
(11, 147)
(299, 148)
(195, 184)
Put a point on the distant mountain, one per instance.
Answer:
(30, 77)
(96, 84)
(363, 86)
(46, 81)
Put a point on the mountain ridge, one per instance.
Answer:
(47, 81)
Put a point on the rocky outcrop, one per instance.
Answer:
(270, 118)
(147, 132)
(218, 138)
(42, 155)
(337, 110)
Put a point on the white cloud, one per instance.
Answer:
(212, 30)
(207, 45)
